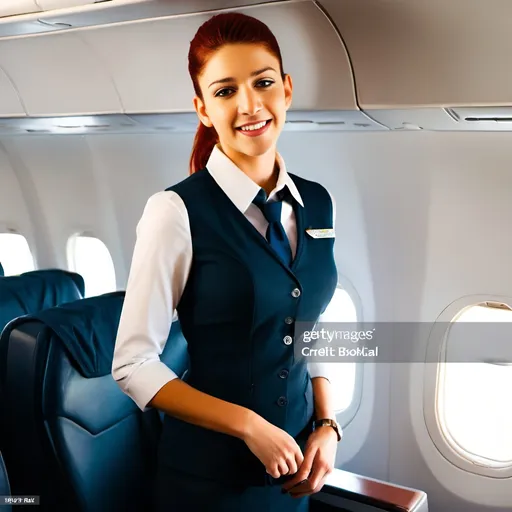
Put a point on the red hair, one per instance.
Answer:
(222, 29)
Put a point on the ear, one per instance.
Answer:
(201, 112)
(288, 90)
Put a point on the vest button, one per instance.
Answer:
(283, 374)
(296, 293)
(282, 401)
(287, 340)
(288, 320)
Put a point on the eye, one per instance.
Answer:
(265, 82)
(222, 92)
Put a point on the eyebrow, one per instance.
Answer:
(231, 79)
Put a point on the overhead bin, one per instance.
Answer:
(17, 7)
(372, 65)
(58, 75)
(14, 7)
(54, 15)
(141, 67)
(48, 5)
(428, 53)
(10, 104)
(416, 62)
(155, 78)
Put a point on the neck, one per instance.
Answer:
(262, 169)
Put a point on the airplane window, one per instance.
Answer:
(342, 309)
(15, 254)
(90, 257)
(474, 401)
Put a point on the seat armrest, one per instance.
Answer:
(344, 489)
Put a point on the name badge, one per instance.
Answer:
(321, 233)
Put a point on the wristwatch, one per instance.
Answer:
(328, 422)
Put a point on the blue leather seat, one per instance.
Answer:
(74, 438)
(5, 489)
(27, 293)
(36, 290)
(31, 292)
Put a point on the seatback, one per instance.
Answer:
(5, 489)
(75, 439)
(31, 292)
(36, 290)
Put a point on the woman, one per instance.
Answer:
(228, 249)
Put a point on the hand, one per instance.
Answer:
(275, 448)
(319, 457)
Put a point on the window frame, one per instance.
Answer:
(433, 376)
(346, 416)
(71, 251)
(9, 229)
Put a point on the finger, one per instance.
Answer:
(299, 458)
(299, 477)
(303, 471)
(283, 468)
(307, 492)
(292, 465)
(273, 471)
(319, 473)
(305, 468)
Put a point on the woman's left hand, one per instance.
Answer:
(319, 457)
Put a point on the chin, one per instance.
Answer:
(257, 148)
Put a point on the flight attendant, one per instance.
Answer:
(251, 428)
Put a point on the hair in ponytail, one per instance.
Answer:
(204, 142)
(222, 29)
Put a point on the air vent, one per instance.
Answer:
(481, 114)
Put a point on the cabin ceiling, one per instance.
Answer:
(74, 66)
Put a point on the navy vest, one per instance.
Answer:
(238, 314)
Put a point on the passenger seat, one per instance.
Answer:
(29, 293)
(36, 290)
(74, 438)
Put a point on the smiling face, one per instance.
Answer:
(242, 87)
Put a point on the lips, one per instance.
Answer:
(254, 133)
(252, 124)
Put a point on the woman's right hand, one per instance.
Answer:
(276, 449)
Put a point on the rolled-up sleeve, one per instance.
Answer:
(159, 271)
(317, 369)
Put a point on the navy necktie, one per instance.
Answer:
(275, 235)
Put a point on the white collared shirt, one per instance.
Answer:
(159, 271)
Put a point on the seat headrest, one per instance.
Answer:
(55, 275)
(1, 270)
(87, 329)
(33, 291)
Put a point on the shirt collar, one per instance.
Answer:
(238, 186)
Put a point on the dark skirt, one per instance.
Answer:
(179, 492)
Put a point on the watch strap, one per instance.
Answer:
(328, 422)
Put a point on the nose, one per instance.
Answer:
(249, 101)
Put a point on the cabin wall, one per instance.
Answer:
(421, 222)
